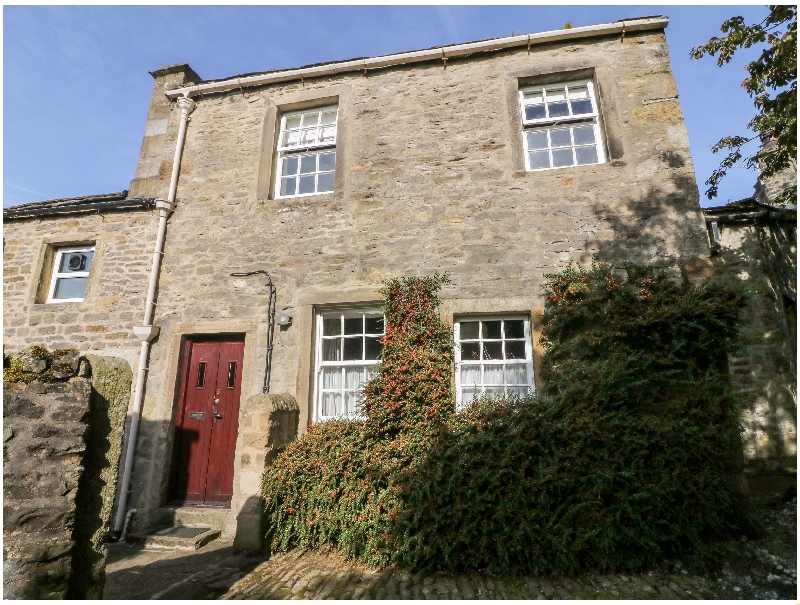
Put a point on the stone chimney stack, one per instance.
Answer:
(160, 132)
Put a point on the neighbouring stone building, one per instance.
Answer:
(754, 241)
(498, 161)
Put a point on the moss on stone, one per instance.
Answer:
(111, 388)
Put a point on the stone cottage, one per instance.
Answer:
(246, 255)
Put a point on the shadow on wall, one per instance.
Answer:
(108, 404)
(663, 227)
(764, 369)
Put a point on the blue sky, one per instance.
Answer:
(76, 86)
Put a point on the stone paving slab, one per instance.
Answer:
(763, 569)
(133, 572)
(314, 575)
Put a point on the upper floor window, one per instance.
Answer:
(494, 357)
(307, 152)
(71, 268)
(560, 125)
(347, 355)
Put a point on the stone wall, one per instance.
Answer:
(429, 177)
(43, 433)
(115, 293)
(59, 470)
(111, 387)
(764, 370)
(268, 424)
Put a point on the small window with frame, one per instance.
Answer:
(307, 152)
(494, 357)
(349, 349)
(560, 126)
(71, 268)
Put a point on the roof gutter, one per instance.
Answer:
(444, 53)
(79, 208)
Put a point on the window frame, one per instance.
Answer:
(460, 404)
(283, 152)
(320, 365)
(56, 275)
(548, 123)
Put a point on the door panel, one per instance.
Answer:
(205, 440)
(219, 484)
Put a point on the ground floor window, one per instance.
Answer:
(348, 350)
(493, 356)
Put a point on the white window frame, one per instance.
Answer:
(458, 362)
(69, 275)
(285, 152)
(584, 119)
(320, 365)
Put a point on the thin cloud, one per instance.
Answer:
(449, 26)
(26, 190)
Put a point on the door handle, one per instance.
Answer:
(216, 416)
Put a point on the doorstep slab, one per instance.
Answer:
(179, 537)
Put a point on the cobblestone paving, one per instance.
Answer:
(761, 569)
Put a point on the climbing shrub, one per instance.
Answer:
(337, 485)
(625, 459)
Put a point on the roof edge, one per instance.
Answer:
(443, 52)
(81, 205)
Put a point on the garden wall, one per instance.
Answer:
(62, 429)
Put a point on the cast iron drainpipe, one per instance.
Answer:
(273, 295)
(147, 331)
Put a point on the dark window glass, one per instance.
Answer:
(534, 112)
(307, 184)
(353, 325)
(308, 163)
(331, 349)
(74, 287)
(491, 329)
(327, 161)
(374, 325)
(560, 138)
(492, 350)
(290, 166)
(288, 186)
(562, 157)
(201, 374)
(539, 159)
(515, 328)
(373, 348)
(586, 155)
(231, 374)
(469, 330)
(558, 109)
(325, 182)
(580, 106)
(470, 351)
(331, 326)
(353, 349)
(515, 349)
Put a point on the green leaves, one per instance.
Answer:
(623, 461)
(772, 82)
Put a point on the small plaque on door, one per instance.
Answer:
(197, 415)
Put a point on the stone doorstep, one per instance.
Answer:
(180, 537)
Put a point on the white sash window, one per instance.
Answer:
(71, 269)
(560, 126)
(348, 352)
(494, 357)
(307, 152)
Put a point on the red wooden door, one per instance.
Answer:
(208, 422)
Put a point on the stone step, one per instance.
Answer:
(179, 537)
(193, 516)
